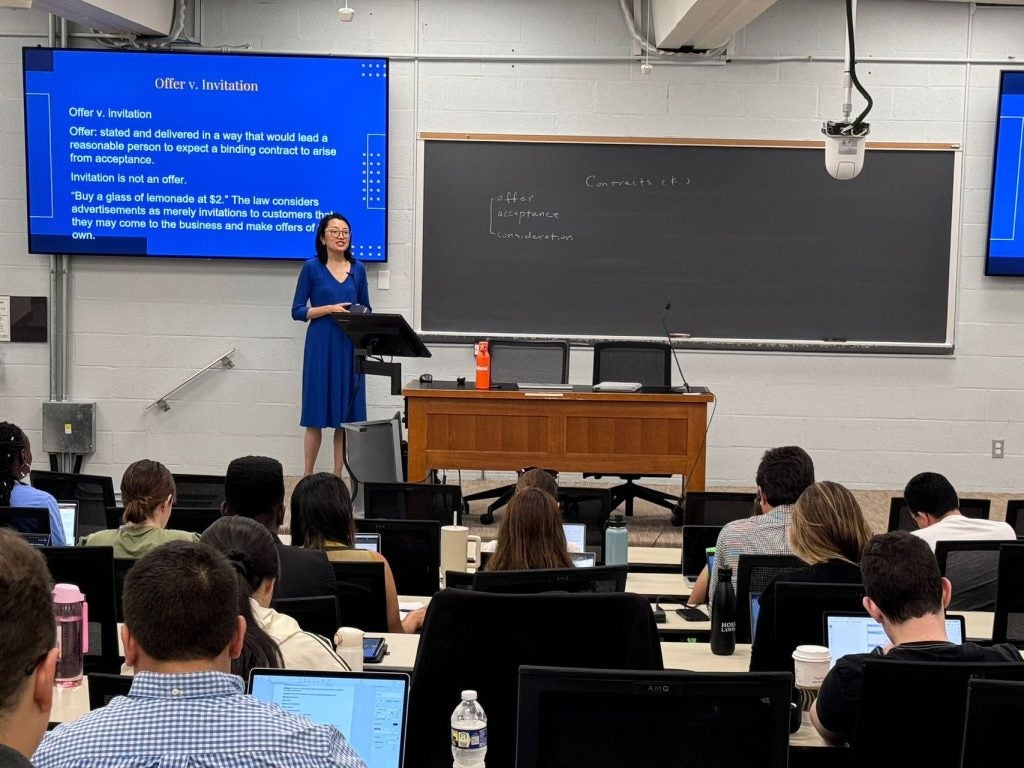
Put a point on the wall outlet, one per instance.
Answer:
(997, 449)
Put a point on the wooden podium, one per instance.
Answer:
(655, 433)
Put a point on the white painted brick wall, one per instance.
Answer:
(870, 421)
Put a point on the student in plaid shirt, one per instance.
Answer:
(185, 709)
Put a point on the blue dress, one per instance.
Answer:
(332, 392)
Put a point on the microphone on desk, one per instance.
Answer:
(675, 356)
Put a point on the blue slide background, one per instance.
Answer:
(1006, 222)
(342, 98)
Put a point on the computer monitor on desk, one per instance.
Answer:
(661, 719)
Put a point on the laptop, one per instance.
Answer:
(755, 608)
(583, 559)
(369, 708)
(847, 633)
(31, 523)
(368, 541)
(575, 536)
(69, 521)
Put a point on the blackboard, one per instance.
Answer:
(753, 243)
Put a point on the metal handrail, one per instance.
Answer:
(223, 360)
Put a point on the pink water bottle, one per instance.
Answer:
(72, 614)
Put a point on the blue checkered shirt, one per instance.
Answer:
(194, 720)
(766, 534)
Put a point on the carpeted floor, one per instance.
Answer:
(651, 526)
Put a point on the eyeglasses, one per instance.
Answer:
(338, 232)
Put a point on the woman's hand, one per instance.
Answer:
(343, 307)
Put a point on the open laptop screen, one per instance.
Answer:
(69, 521)
(370, 708)
(847, 633)
(575, 536)
(368, 541)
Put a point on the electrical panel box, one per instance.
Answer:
(69, 427)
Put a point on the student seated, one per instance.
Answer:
(322, 520)
(181, 631)
(15, 465)
(530, 535)
(908, 597)
(148, 494)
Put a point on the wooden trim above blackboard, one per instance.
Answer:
(674, 141)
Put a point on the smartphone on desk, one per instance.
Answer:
(692, 613)
(374, 650)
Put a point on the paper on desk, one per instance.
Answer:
(408, 607)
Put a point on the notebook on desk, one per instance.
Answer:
(369, 708)
(847, 633)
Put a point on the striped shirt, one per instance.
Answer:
(766, 534)
(193, 720)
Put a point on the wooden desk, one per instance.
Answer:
(655, 559)
(640, 433)
(655, 584)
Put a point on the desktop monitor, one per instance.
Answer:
(718, 507)
(604, 578)
(696, 541)
(412, 549)
(581, 718)
(413, 501)
(800, 608)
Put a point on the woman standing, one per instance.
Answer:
(15, 463)
(332, 391)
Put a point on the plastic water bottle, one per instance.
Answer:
(483, 365)
(469, 733)
(616, 541)
(723, 614)
(72, 615)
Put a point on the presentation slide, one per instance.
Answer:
(203, 155)
(1006, 221)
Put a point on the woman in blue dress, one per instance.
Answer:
(332, 392)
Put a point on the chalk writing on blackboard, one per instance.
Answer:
(513, 216)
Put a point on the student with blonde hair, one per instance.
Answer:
(827, 531)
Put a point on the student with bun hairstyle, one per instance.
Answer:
(15, 465)
(148, 494)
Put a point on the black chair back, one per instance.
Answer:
(104, 686)
(718, 507)
(753, 574)
(529, 362)
(902, 698)
(972, 567)
(900, 519)
(204, 491)
(1008, 622)
(31, 523)
(318, 615)
(995, 710)
(601, 578)
(413, 501)
(412, 549)
(1015, 516)
(478, 640)
(646, 362)
(362, 599)
(121, 567)
(91, 569)
(94, 493)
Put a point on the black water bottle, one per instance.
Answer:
(723, 615)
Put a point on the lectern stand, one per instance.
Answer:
(376, 335)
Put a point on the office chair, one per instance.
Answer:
(915, 710)
(995, 710)
(1014, 516)
(362, 599)
(972, 567)
(412, 549)
(590, 506)
(121, 567)
(521, 362)
(1008, 622)
(91, 569)
(900, 519)
(104, 686)
(600, 578)
(479, 640)
(318, 615)
(753, 574)
(413, 501)
(205, 491)
(650, 364)
(94, 493)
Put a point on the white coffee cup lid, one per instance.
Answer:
(349, 636)
(812, 653)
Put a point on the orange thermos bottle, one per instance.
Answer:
(483, 365)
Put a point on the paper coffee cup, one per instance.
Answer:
(810, 664)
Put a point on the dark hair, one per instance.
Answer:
(321, 511)
(254, 487)
(250, 549)
(902, 576)
(12, 443)
(530, 535)
(145, 485)
(27, 628)
(931, 493)
(783, 474)
(538, 478)
(181, 602)
(321, 248)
